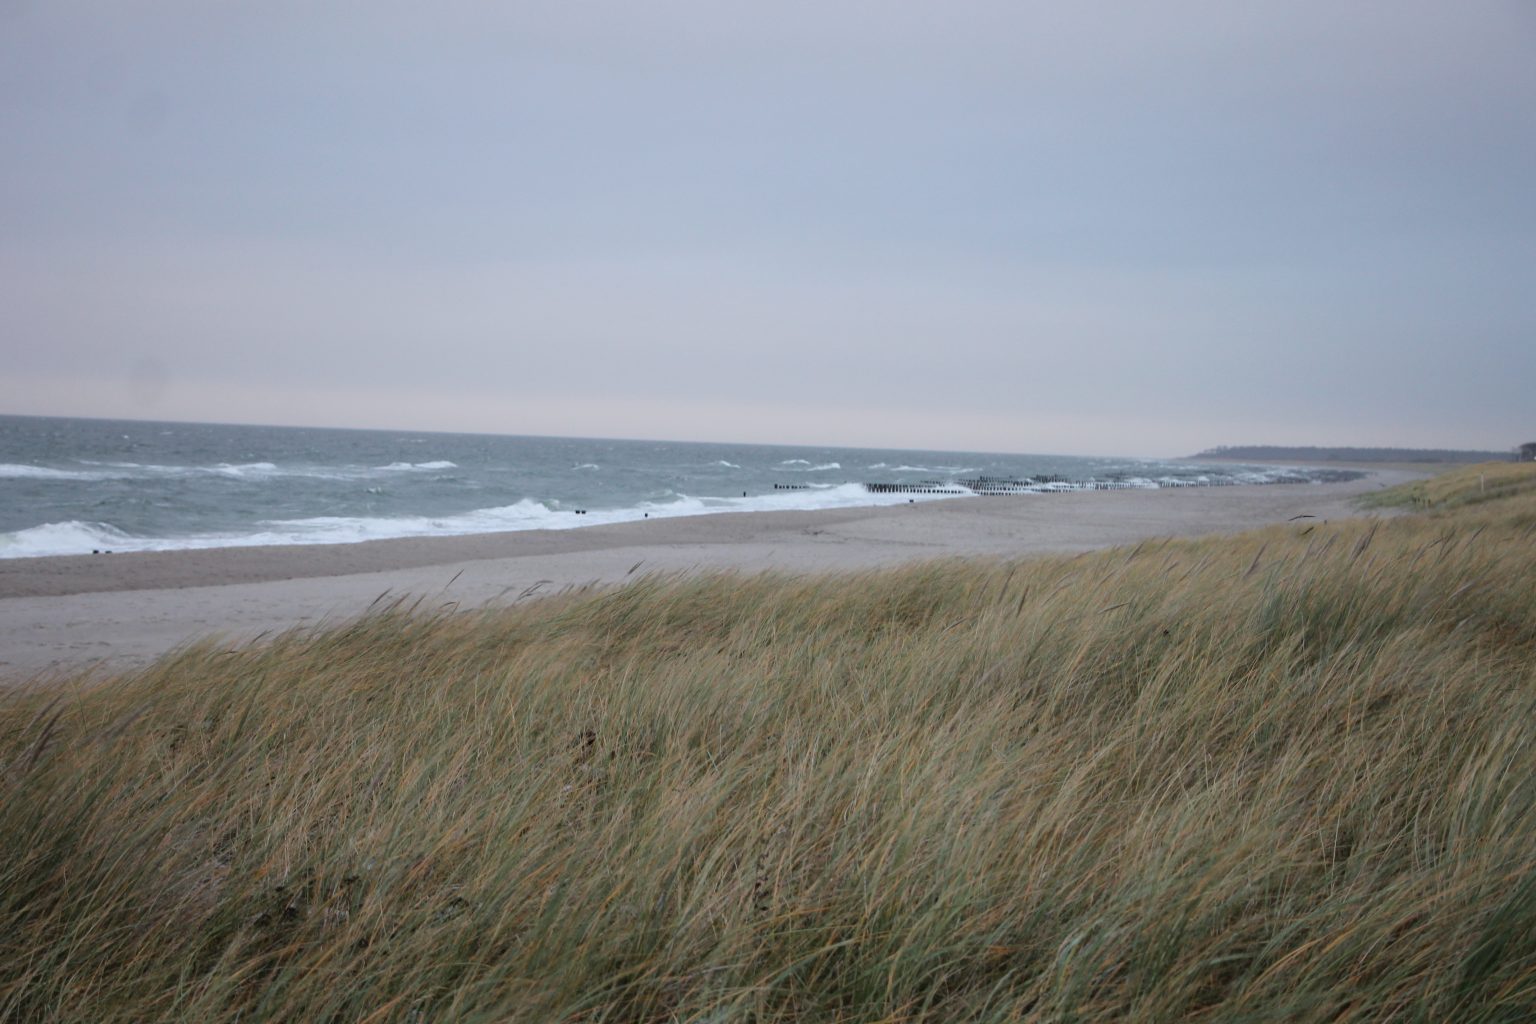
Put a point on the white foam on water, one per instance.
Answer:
(408, 467)
(130, 470)
(76, 538)
(67, 538)
(236, 471)
(244, 470)
(249, 471)
(727, 465)
(16, 471)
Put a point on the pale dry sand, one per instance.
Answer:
(62, 615)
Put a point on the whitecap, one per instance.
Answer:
(243, 470)
(407, 467)
(17, 471)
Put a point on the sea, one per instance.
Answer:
(77, 486)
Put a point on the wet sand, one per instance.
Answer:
(60, 615)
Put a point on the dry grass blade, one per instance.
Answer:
(1254, 565)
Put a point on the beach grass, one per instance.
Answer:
(1480, 482)
(1283, 776)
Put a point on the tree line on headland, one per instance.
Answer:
(1264, 452)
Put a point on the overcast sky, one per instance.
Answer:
(1099, 228)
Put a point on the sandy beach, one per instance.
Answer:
(60, 615)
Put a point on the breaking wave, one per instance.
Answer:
(407, 467)
(75, 537)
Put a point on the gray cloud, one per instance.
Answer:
(1075, 229)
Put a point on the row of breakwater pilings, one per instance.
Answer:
(791, 487)
(1051, 484)
(991, 485)
(923, 487)
(1047, 483)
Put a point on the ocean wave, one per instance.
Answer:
(67, 538)
(248, 471)
(805, 467)
(727, 465)
(133, 470)
(77, 538)
(407, 467)
(587, 465)
(241, 471)
(17, 471)
(234, 470)
(817, 496)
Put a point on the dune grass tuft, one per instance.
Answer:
(1284, 776)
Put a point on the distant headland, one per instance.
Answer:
(1271, 453)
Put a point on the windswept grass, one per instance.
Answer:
(1287, 776)
(1482, 482)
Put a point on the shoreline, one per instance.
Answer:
(66, 614)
